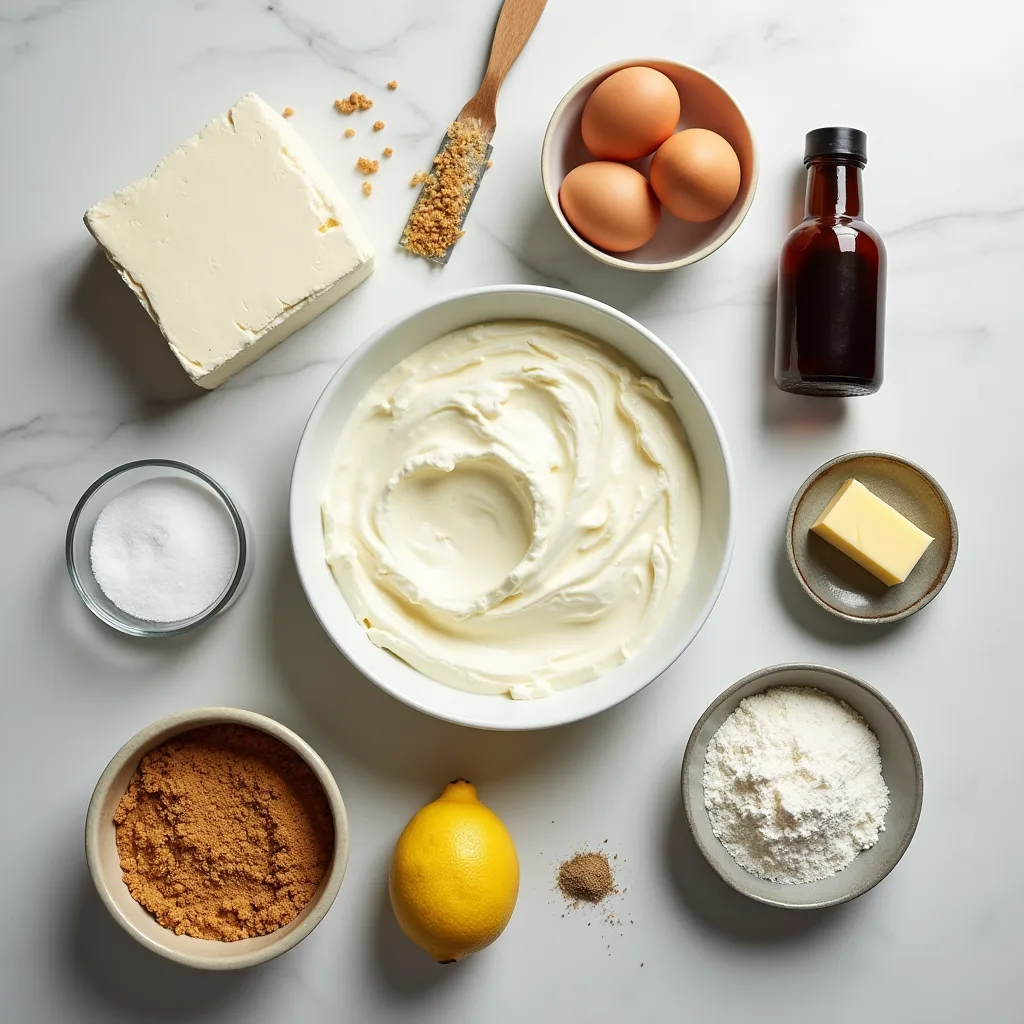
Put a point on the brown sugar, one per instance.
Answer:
(349, 132)
(586, 878)
(435, 224)
(387, 151)
(367, 166)
(356, 101)
(287, 112)
(367, 189)
(224, 833)
(378, 126)
(392, 85)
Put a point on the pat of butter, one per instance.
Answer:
(872, 533)
(236, 240)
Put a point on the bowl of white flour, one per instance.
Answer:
(802, 786)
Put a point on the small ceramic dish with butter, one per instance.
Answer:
(703, 103)
(901, 770)
(105, 866)
(835, 581)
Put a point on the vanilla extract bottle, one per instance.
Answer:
(830, 320)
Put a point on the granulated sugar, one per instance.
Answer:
(793, 785)
(164, 550)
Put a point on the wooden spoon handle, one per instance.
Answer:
(516, 23)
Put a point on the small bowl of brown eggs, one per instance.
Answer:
(649, 164)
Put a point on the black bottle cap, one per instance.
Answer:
(840, 143)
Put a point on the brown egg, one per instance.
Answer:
(696, 175)
(610, 205)
(630, 114)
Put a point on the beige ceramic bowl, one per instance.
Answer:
(105, 868)
(704, 104)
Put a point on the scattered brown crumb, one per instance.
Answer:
(419, 178)
(489, 164)
(392, 85)
(355, 101)
(367, 166)
(388, 151)
(287, 112)
(349, 132)
(378, 126)
(435, 224)
(367, 188)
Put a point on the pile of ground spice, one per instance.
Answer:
(435, 224)
(224, 833)
(586, 878)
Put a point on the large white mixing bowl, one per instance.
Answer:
(394, 343)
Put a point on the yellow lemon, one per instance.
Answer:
(454, 875)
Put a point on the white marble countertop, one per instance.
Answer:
(96, 91)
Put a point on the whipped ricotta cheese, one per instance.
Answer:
(236, 240)
(512, 509)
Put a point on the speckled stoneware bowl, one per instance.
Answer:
(105, 867)
(901, 769)
(837, 583)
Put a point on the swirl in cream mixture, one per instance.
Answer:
(512, 509)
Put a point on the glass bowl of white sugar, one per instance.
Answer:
(156, 548)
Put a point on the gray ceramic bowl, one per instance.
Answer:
(901, 768)
(105, 867)
(837, 583)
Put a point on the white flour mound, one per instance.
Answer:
(793, 785)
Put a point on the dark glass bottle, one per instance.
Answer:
(830, 321)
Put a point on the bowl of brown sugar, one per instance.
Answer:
(217, 838)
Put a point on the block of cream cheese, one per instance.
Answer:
(872, 533)
(235, 241)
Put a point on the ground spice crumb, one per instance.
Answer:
(367, 166)
(367, 188)
(287, 112)
(356, 101)
(419, 178)
(489, 164)
(378, 126)
(392, 85)
(435, 224)
(349, 132)
(586, 878)
(388, 151)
